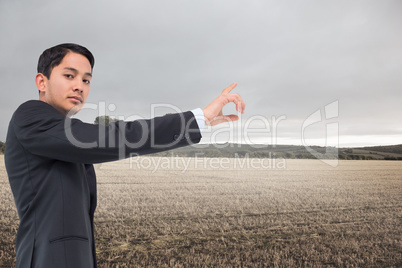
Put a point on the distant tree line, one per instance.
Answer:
(356, 157)
(265, 154)
(2, 147)
(262, 154)
(392, 158)
(395, 149)
(216, 152)
(104, 120)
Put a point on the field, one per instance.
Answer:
(229, 213)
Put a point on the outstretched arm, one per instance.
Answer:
(213, 112)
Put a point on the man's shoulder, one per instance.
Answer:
(33, 104)
(33, 110)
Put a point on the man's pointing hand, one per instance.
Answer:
(213, 112)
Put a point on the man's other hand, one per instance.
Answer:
(213, 112)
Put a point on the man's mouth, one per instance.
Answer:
(76, 98)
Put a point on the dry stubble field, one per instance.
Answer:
(295, 213)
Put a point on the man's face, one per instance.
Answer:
(68, 85)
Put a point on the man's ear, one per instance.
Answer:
(41, 82)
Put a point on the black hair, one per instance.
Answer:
(53, 56)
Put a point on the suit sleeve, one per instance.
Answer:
(43, 131)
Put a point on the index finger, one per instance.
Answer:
(229, 88)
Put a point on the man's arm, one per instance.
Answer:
(199, 116)
(43, 131)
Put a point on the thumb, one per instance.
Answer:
(222, 119)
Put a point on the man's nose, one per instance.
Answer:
(79, 86)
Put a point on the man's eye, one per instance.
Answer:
(68, 76)
(87, 81)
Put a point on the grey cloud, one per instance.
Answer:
(289, 57)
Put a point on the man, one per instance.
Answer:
(49, 157)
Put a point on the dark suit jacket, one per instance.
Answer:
(53, 180)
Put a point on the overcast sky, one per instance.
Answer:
(290, 59)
